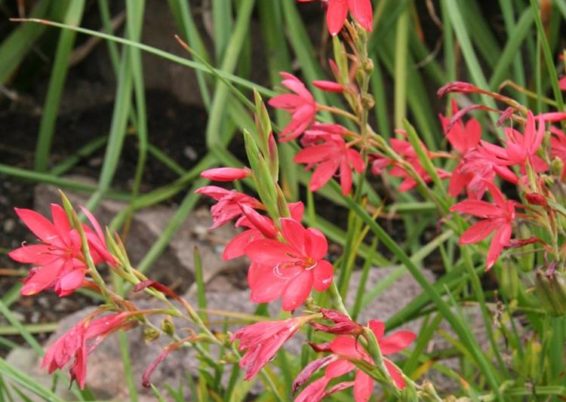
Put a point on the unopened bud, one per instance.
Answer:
(150, 334)
(457, 86)
(368, 66)
(536, 199)
(557, 167)
(168, 327)
(368, 101)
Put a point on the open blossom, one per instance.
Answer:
(404, 149)
(330, 156)
(300, 104)
(520, 149)
(75, 345)
(289, 269)
(337, 12)
(495, 218)
(462, 136)
(262, 340)
(257, 227)
(228, 204)
(58, 261)
(346, 349)
(477, 168)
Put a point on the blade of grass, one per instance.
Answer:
(120, 115)
(453, 9)
(214, 135)
(27, 382)
(271, 16)
(182, 13)
(222, 26)
(135, 11)
(16, 46)
(129, 375)
(83, 152)
(401, 50)
(157, 52)
(57, 181)
(547, 53)
(511, 54)
(56, 83)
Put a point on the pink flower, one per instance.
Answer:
(404, 149)
(496, 218)
(345, 350)
(522, 148)
(330, 156)
(337, 13)
(558, 146)
(262, 340)
(301, 105)
(229, 204)
(78, 342)
(289, 269)
(562, 83)
(462, 137)
(477, 168)
(58, 260)
(226, 174)
(257, 227)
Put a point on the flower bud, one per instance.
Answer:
(226, 174)
(536, 199)
(150, 334)
(457, 86)
(168, 327)
(557, 167)
(329, 86)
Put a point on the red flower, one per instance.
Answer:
(58, 261)
(408, 153)
(301, 105)
(338, 11)
(78, 342)
(462, 137)
(330, 156)
(262, 340)
(562, 83)
(346, 349)
(477, 168)
(497, 217)
(257, 227)
(229, 204)
(291, 269)
(226, 174)
(522, 148)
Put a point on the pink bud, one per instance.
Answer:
(225, 174)
(552, 117)
(457, 86)
(536, 199)
(329, 86)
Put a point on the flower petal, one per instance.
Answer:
(297, 291)
(322, 275)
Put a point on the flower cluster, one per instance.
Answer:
(521, 158)
(287, 259)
